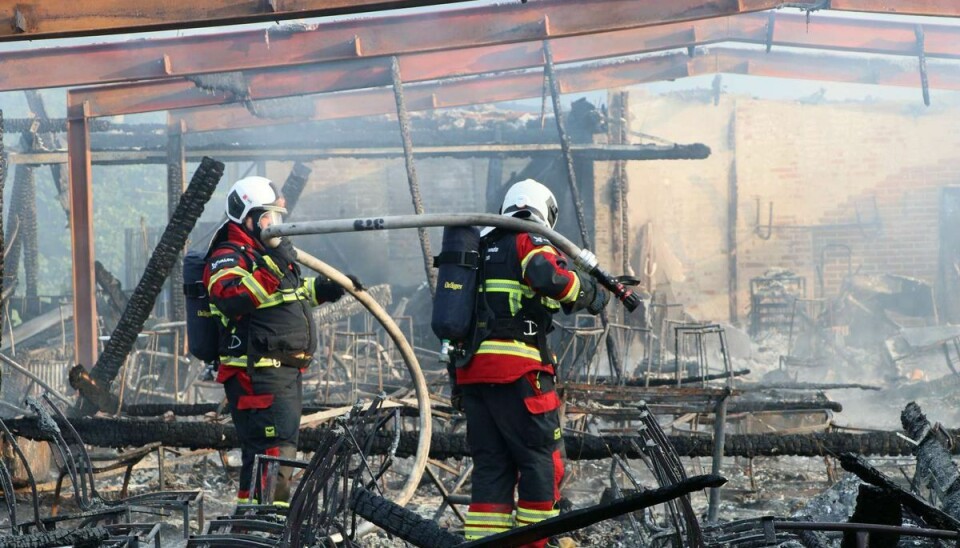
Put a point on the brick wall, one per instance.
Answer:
(818, 164)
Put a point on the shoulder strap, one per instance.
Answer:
(243, 250)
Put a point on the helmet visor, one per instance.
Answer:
(271, 216)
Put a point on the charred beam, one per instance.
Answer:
(105, 432)
(409, 526)
(935, 467)
(600, 153)
(49, 140)
(86, 537)
(858, 465)
(191, 205)
(294, 185)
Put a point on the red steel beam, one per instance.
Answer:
(108, 63)
(33, 19)
(583, 78)
(81, 231)
(370, 37)
(822, 33)
(943, 8)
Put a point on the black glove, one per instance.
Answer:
(456, 401)
(327, 290)
(356, 282)
(600, 299)
(284, 254)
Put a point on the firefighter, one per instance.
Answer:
(506, 389)
(267, 336)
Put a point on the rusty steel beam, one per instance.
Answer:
(38, 19)
(942, 8)
(792, 31)
(510, 87)
(81, 235)
(351, 39)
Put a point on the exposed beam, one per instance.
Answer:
(598, 152)
(943, 8)
(34, 19)
(837, 34)
(81, 234)
(139, 60)
(340, 40)
(590, 77)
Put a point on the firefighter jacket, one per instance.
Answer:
(262, 308)
(524, 280)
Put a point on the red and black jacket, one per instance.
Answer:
(524, 281)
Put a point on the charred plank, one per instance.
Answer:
(935, 467)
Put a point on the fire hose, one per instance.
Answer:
(584, 259)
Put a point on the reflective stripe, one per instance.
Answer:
(483, 524)
(574, 292)
(254, 286)
(509, 348)
(476, 533)
(515, 291)
(309, 287)
(281, 504)
(489, 517)
(241, 361)
(236, 270)
(535, 515)
(532, 254)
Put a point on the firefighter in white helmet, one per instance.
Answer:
(507, 387)
(267, 336)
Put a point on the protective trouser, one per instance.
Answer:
(266, 410)
(515, 439)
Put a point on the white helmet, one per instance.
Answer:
(529, 199)
(252, 193)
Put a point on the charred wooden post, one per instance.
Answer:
(294, 185)
(875, 505)
(404, 118)
(613, 353)
(935, 467)
(93, 391)
(933, 516)
(191, 205)
(40, 124)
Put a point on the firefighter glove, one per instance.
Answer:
(284, 254)
(600, 299)
(356, 282)
(327, 290)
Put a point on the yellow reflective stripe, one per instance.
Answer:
(535, 515)
(499, 285)
(532, 254)
(226, 271)
(489, 517)
(241, 361)
(254, 286)
(281, 504)
(509, 348)
(477, 533)
(574, 291)
(309, 288)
